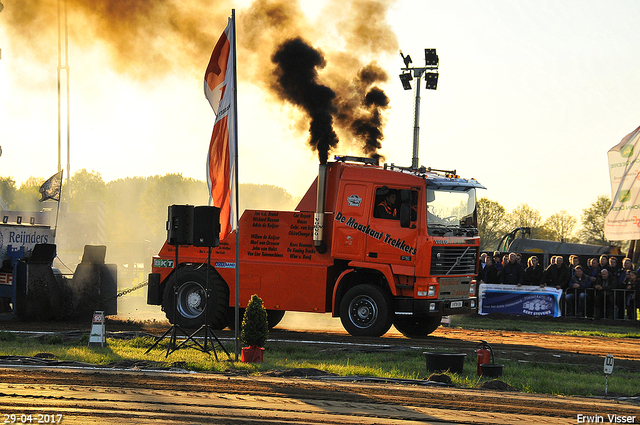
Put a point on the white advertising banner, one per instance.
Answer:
(21, 240)
(623, 221)
(519, 300)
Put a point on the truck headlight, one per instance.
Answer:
(472, 289)
(426, 291)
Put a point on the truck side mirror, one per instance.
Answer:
(405, 208)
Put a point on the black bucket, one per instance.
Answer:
(491, 370)
(441, 362)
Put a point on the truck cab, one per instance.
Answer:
(412, 232)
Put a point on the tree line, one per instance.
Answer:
(494, 222)
(136, 207)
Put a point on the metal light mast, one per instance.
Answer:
(1, 7)
(64, 67)
(431, 78)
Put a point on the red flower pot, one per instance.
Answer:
(253, 354)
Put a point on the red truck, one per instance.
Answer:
(348, 249)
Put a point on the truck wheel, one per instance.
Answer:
(184, 299)
(365, 310)
(417, 328)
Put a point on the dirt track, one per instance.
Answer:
(135, 397)
(143, 397)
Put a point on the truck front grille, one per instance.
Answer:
(453, 260)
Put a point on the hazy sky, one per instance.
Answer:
(531, 95)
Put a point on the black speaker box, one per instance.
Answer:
(43, 253)
(94, 254)
(180, 225)
(206, 226)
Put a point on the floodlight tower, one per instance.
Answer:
(63, 65)
(431, 79)
(1, 7)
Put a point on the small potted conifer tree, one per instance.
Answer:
(254, 330)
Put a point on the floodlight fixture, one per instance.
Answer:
(430, 57)
(405, 78)
(431, 78)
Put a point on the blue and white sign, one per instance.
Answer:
(519, 300)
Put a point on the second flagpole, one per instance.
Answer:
(237, 209)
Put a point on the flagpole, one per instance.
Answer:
(235, 158)
(55, 229)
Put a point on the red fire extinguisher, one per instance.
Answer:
(485, 355)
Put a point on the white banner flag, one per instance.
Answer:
(623, 220)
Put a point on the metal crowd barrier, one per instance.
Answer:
(622, 301)
(577, 291)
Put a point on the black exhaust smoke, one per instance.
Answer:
(296, 76)
(361, 109)
(368, 127)
(296, 80)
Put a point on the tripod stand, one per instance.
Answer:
(206, 327)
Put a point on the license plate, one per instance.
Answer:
(456, 304)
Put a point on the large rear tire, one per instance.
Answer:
(184, 298)
(417, 328)
(366, 310)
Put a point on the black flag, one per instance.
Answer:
(51, 188)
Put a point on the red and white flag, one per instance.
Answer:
(219, 80)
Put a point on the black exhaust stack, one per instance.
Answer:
(318, 217)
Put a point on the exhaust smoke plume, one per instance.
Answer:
(358, 107)
(143, 39)
(296, 78)
(362, 113)
(368, 127)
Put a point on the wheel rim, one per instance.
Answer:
(363, 311)
(191, 300)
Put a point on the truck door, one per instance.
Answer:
(395, 242)
(351, 219)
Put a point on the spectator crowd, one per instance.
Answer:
(601, 288)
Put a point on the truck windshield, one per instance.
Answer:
(451, 210)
